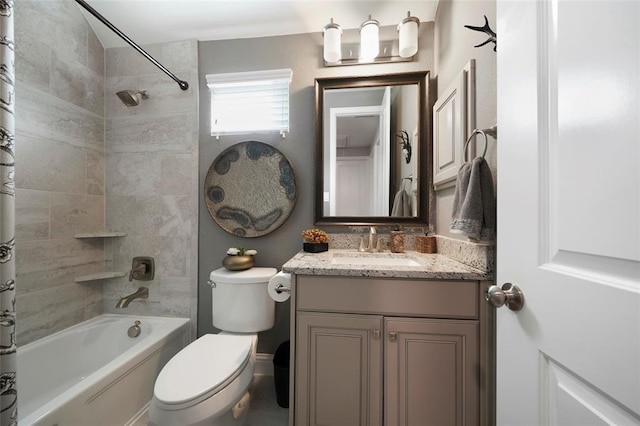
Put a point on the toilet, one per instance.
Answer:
(207, 382)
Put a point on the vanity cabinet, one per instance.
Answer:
(389, 352)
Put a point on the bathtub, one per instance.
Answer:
(93, 373)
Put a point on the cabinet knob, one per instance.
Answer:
(393, 336)
(375, 333)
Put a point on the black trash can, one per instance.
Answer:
(281, 373)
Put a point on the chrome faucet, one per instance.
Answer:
(141, 293)
(372, 233)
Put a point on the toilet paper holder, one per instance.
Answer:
(281, 288)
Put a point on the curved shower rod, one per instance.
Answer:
(183, 84)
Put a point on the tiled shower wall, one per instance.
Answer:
(59, 166)
(152, 180)
(63, 119)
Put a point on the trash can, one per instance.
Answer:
(281, 373)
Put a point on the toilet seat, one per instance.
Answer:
(202, 369)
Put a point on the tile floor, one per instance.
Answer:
(264, 410)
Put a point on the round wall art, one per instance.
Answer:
(250, 189)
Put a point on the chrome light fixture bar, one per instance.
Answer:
(371, 50)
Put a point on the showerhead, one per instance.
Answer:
(131, 98)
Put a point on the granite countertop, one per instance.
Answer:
(431, 266)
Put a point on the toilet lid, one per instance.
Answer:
(202, 367)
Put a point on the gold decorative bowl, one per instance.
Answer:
(238, 263)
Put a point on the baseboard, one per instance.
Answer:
(264, 364)
(141, 416)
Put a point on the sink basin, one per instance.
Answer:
(373, 260)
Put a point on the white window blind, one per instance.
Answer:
(248, 102)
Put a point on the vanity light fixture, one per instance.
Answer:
(371, 49)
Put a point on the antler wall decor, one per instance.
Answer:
(406, 145)
(493, 37)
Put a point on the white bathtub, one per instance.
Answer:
(93, 373)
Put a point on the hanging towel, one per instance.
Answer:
(401, 204)
(474, 204)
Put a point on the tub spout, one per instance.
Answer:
(141, 293)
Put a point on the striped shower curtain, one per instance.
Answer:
(8, 361)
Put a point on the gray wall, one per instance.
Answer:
(151, 178)
(59, 166)
(303, 54)
(453, 49)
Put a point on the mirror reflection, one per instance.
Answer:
(365, 168)
(371, 149)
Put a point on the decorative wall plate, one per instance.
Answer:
(250, 189)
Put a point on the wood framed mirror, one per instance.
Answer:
(365, 128)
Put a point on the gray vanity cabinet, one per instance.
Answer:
(430, 372)
(339, 370)
(388, 352)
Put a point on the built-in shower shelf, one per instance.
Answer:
(99, 276)
(101, 235)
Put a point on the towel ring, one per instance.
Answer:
(475, 132)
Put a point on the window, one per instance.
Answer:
(248, 102)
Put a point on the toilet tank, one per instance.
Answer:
(240, 301)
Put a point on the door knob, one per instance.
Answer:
(509, 295)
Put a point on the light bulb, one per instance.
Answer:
(408, 37)
(369, 41)
(332, 38)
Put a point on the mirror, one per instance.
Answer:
(373, 148)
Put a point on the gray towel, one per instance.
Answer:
(474, 204)
(401, 204)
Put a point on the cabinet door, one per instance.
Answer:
(431, 372)
(338, 370)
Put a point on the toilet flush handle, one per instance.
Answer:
(212, 284)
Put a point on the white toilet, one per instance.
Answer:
(206, 382)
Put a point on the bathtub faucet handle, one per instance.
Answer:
(142, 268)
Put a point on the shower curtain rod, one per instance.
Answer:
(183, 84)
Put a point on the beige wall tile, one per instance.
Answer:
(60, 159)
(95, 173)
(43, 115)
(49, 166)
(48, 311)
(132, 173)
(32, 215)
(78, 84)
(74, 214)
(149, 133)
(51, 263)
(176, 174)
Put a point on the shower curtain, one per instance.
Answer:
(8, 361)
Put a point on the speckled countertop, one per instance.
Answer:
(431, 266)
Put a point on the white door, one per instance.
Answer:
(568, 211)
(353, 186)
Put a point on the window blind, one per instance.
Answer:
(250, 102)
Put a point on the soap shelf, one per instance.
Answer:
(101, 235)
(99, 276)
